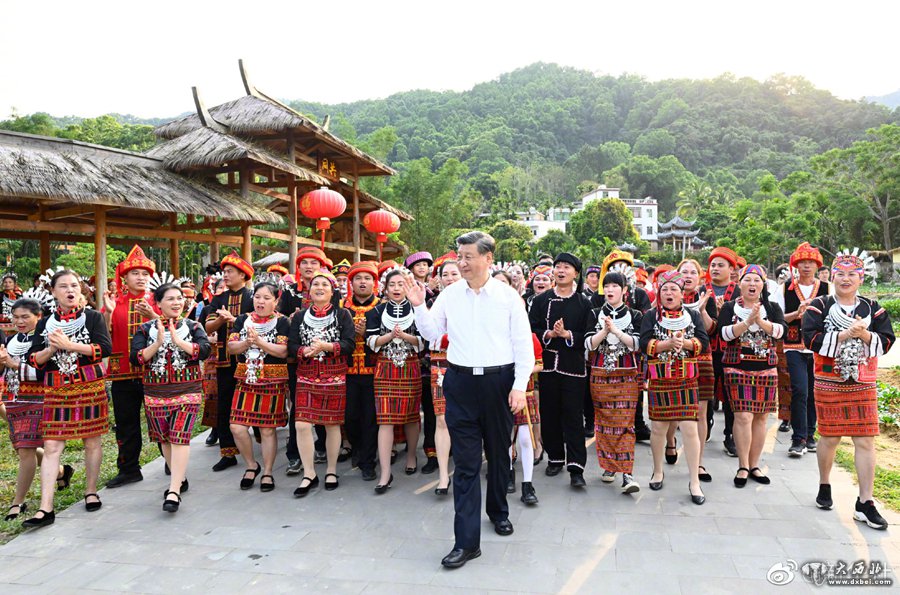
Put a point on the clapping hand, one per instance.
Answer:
(360, 326)
(678, 341)
(609, 326)
(58, 341)
(181, 344)
(253, 337)
(754, 314)
(858, 329)
(160, 331)
(803, 306)
(109, 302)
(225, 315)
(415, 292)
(144, 309)
(4, 356)
(703, 299)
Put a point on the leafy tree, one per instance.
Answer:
(510, 230)
(655, 143)
(603, 218)
(81, 260)
(660, 178)
(554, 242)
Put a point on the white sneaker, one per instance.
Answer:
(629, 485)
(608, 476)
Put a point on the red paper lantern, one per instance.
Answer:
(381, 223)
(323, 205)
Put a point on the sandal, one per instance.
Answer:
(705, 476)
(23, 507)
(247, 482)
(92, 506)
(759, 478)
(266, 486)
(332, 485)
(62, 482)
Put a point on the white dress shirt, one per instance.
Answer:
(488, 328)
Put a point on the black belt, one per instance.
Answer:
(480, 371)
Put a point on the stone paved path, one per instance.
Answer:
(596, 540)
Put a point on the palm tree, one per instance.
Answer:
(693, 198)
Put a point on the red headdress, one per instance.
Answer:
(136, 259)
(234, 259)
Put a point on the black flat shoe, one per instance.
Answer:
(442, 491)
(656, 485)
(705, 476)
(759, 478)
(266, 486)
(10, 516)
(740, 482)
(345, 454)
(333, 485)
(458, 557)
(124, 479)
(393, 456)
(63, 482)
(167, 470)
(171, 505)
(576, 480)
(430, 466)
(553, 470)
(412, 470)
(34, 522)
(92, 506)
(247, 482)
(785, 426)
(304, 489)
(696, 499)
(185, 486)
(503, 527)
(225, 463)
(212, 438)
(671, 459)
(383, 487)
(538, 460)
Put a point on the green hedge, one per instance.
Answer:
(893, 308)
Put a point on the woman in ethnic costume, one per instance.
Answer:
(696, 297)
(69, 347)
(612, 341)
(10, 292)
(24, 400)
(323, 338)
(259, 340)
(391, 332)
(751, 325)
(671, 337)
(170, 350)
(847, 334)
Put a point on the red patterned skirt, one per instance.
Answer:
(24, 420)
(398, 391)
(615, 395)
(75, 411)
(438, 369)
(784, 384)
(752, 392)
(260, 404)
(321, 395)
(673, 400)
(532, 401)
(210, 393)
(846, 408)
(707, 380)
(172, 410)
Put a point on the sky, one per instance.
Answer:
(90, 58)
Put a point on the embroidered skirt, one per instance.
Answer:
(673, 400)
(259, 404)
(438, 369)
(398, 392)
(707, 380)
(615, 395)
(321, 394)
(784, 384)
(846, 408)
(75, 411)
(172, 419)
(532, 401)
(210, 394)
(24, 420)
(752, 392)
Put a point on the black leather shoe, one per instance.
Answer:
(171, 505)
(672, 453)
(705, 477)
(740, 482)
(167, 470)
(383, 487)
(304, 489)
(267, 486)
(785, 426)
(247, 482)
(10, 516)
(656, 485)
(331, 485)
(759, 478)
(63, 482)
(185, 486)
(577, 480)
(48, 519)
(225, 463)
(696, 499)
(503, 527)
(528, 495)
(553, 470)
(430, 466)
(442, 491)
(368, 474)
(511, 486)
(458, 557)
(212, 438)
(92, 506)
(124, 478)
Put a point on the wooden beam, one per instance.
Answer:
(272, 235)
(165, 234)
(214, 252)
(50, 215)
(247, 246)
(269, 192)
(174, 266)
(210, 224)
(100, 249)
(127, 242)
(45, 249)
(19, 225)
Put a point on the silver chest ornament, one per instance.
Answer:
(851, 353)
(67, 361)
(666, 326)
(255, 357)
(169, 352)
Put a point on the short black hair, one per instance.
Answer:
(823, 268)
(160, 292)
(62, 273)
(483, 241)
(29, 304)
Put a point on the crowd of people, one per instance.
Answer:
(355, 359)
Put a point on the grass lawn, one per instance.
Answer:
(73, 455)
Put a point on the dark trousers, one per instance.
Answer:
(430, 424)
(292, 451)
(128, 402)
(478, 417)
(803, 401)
(225, 383)
(588, 406)
(719, 375)
(360, 419)
(562, 424)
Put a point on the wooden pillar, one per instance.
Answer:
(100, 249)
(292, 210)
(214, 252)
(356, 221)
(174, 266)
(45, 250)
(247, 247)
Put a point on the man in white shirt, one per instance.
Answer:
(490, 358)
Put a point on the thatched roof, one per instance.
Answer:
(59, 170)
(205, 147)
(259, 114)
